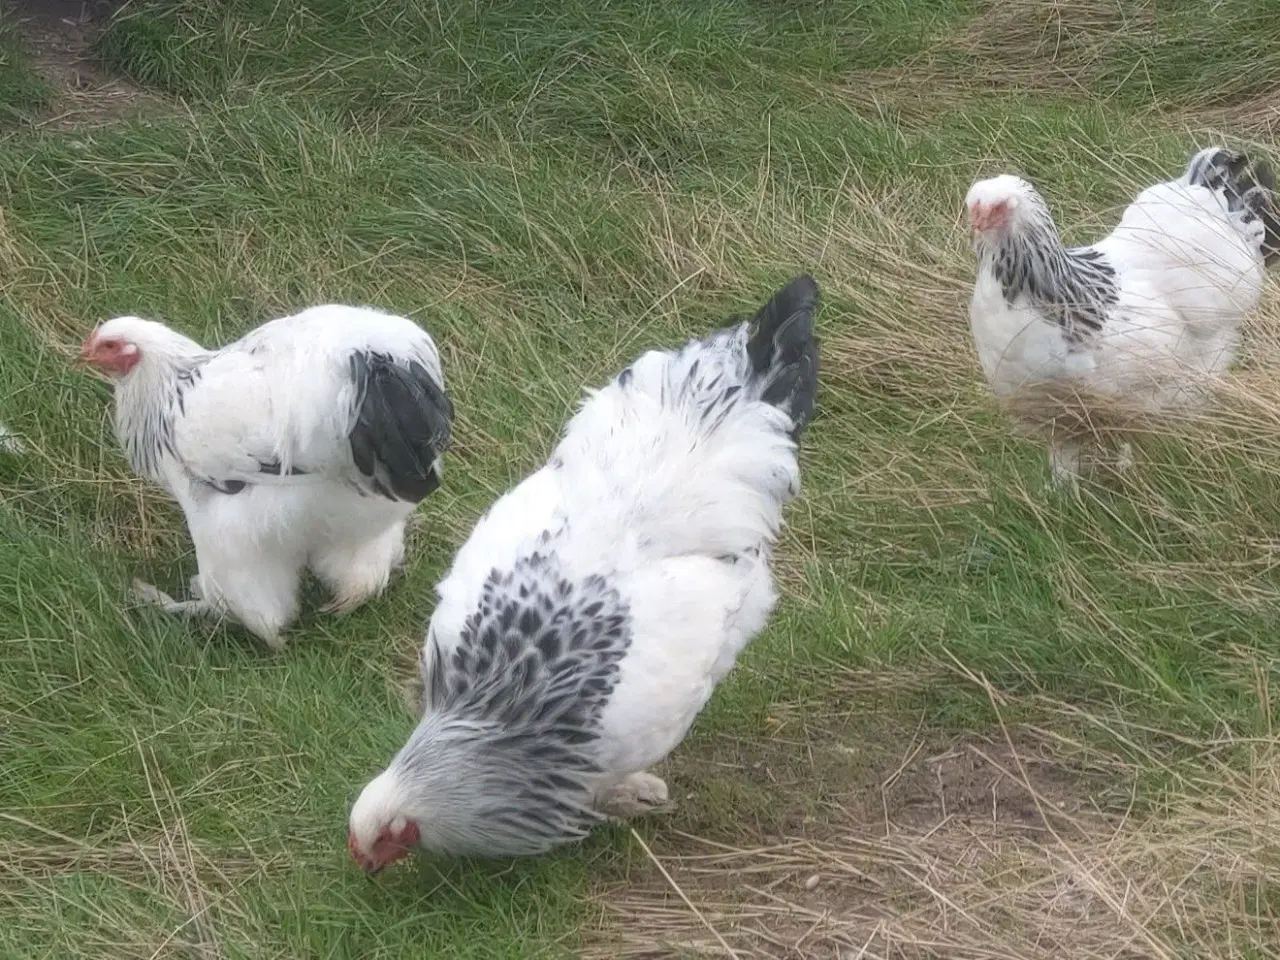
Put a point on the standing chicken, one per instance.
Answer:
(306, 444)
(595, 607)
(1146, 319)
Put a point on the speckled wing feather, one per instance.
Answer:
(533, 669)
(539, 650)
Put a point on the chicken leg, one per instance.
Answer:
(144, 593)
(634, 795)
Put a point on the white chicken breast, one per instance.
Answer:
(305, 445)
(589, 617)
(1149, 316)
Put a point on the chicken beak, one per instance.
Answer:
(87, 350)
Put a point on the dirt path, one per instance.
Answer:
(58, 33)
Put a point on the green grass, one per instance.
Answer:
(22, 91)
(551, 190)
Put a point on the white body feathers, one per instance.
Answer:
(679, 518)
(1187, 273)
(586, 621)
(254, 441)
(1168, 288)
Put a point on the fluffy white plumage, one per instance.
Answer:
(1149, 316)
(305, 444)
(10, 442)
(587, 620)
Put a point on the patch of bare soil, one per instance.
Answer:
(58, 34)
(864, 840)
(855, 833)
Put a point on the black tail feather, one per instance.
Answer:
(1262, 199)
(403, 425)
(1249, 184)
(784, 350)
(1253, 188)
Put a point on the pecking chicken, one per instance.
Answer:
(594, 608)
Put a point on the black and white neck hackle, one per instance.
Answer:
(1073, 286)
(147, 402)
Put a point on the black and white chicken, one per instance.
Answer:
(587, 620)
(304, 445)
(1149, 316)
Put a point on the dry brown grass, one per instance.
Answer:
(1019, 848)
(1071, 50)
(197, 887)
(1052, 46)
(1023, 46)
(1257, 118)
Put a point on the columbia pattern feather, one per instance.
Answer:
(1150, 315)
(589, 616)
(304, 445)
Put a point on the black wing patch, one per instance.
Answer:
(524, 688)
(540, 651)
(403, 425)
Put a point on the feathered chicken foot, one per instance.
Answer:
(198, 606)
(1124, 457)
(1064, 464)
(634, 795)
(144, 593)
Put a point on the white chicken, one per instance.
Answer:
(1149, 316)
(587, 620)
(305, 445)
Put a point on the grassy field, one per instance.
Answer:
(985, 722)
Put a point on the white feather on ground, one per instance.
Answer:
(10, 441)
(1149, 317)
(587, 620)
(306, 444)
